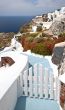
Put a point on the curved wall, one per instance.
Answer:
(9, 79)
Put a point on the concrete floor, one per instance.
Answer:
(26, 103)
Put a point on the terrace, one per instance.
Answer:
(30, 83)
(26, 102)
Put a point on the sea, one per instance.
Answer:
(13, 23)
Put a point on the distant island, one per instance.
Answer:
(41, 34)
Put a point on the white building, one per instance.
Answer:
(57, 13)
(46, 25)
(38, 17)
(62, 11)
(34, 28)
(49, 16)
(54, 15)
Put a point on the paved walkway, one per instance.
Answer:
(26, 103)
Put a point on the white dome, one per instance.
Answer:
(62, 10)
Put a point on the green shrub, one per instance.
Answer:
(30, 39)
(33, 35)
(38, 40)
(39, 28)
(41, 49)
(1, 45)
(44, 35)
(62, 35)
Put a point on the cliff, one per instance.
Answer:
(58, 53)
(58, 57)
(5, 39)
(58, 27)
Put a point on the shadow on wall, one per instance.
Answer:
(6, 61)
(21, 104)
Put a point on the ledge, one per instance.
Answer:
(9, 74)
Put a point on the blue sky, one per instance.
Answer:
(28, 7)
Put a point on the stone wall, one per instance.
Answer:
(58, 58)
(58, 27)
(62, 95)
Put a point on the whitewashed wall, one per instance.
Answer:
(9, 100)
(34, 28)
(47, 24)
(9, 80)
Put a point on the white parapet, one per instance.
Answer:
(9, 78)
(9, 100)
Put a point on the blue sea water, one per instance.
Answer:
(13, 23)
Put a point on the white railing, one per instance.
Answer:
(39, 82)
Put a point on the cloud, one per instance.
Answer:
(51, 3)
(28, 7)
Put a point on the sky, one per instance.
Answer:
(28, 7)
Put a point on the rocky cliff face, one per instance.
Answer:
(58, 53)
(58, 57)
(5, 39)
(58, 27)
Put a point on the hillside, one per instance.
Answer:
(40, 34)
(58, 27)
(5, 39)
